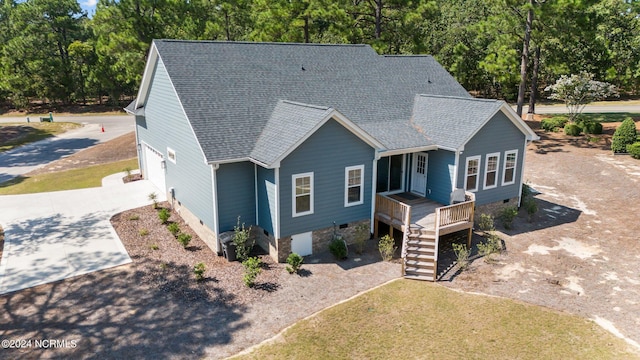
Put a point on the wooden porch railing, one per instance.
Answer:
(396, 213)
(456, 213)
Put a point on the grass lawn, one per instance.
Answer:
(410, 319)
(16, 134)
(65, 180)
(609, 117)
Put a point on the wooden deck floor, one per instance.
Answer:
(423, 210)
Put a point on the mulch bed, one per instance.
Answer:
(162, 261)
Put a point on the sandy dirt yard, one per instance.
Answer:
(581, 252)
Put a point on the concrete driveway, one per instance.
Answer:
(57, 235)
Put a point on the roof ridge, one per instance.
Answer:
(407, 55)
(459, 98)
(259, 43)
(319, 107)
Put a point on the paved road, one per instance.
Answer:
(619, 107)
(57, 235)
(24, 159)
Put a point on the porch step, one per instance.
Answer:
(419, 277)
(421, 256)
(427, 274)
(419, 265)
(426, 243)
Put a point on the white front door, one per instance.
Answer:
(419, 174)
(302, 244)
(154, 170)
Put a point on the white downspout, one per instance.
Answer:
(374, 181)
(276, 229)
(214, 189)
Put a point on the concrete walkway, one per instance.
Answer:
(57, 235)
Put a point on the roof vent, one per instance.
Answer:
(303, 69)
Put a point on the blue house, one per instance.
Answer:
(294, 138)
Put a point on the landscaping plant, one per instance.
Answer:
(242, 240)
(634, 150)
(154, 197)
(486, 222)
(164, 215)
(143, 232)
(462, 255)
(507, 215)
(361, 235)
(174, 229)
(578, 90)
(625, 134)
(491, 246)
(553, 123)
(572, 129)
(199, 270)
(251, 270)
(184, 239)
(338, 248)
(294, 262)
(387, 246)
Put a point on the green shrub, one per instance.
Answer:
(143, 232)
(242, 240)
(507, 215)
(486, 222)
(591, 127)
(462, 255)
(295, 261)
(572, 129)
(492, 246)
(164, 215)
(154, 247)
(134, 217)
(251, 270)
(634, 150)
(530, 204)
(553, 123)
(199, 270)
(174, 229)
(184, 239)
(154, 197)
(625, 134)
(338, 248)
(361, 236)
(387, 246)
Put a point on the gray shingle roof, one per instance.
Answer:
(451, 121)
(230, 90)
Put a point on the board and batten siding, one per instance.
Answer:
(498, 135)
(165, 125)
(326, 153)
(267, 203)
(440, 175)
(236, 195)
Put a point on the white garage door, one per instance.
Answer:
(302, 244)
(153, 167)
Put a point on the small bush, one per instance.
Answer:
(154, 197)
(199, 270)
(572, 129)
(361, 236)
(251, 270)
(295, 261)
(134, 217)
(164, 215)
(143, 232)
(242, 240)
(154, 247)
(553, 124)
(128, 170)
(625, 134)
(634, 150)
(531, 206)
(507, 215)
(174, 229)
(492, 246)
(462, 255)
(387, 246)
(184, 239)
(591, 127)
(486, 222)
(338, 248)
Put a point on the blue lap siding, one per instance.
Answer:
(326, 153)
(236, 194)
(499, 135)
(440, 175)
(267, 201)
(165, 125)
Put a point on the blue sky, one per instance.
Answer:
(89, 6)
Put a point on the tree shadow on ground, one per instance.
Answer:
(369, 256)
(40, 154)
(152, 311)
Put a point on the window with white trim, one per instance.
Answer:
(471, 173)
(353, 185)
(491, 170)
(171, 155)
(510, 161)
(302, 194)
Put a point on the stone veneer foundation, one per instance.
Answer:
(207, 235)
(494, 208)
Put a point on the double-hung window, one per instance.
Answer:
(491, 171)
(510, 161)
(353, 185)
(471, 173)
(302, 194)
